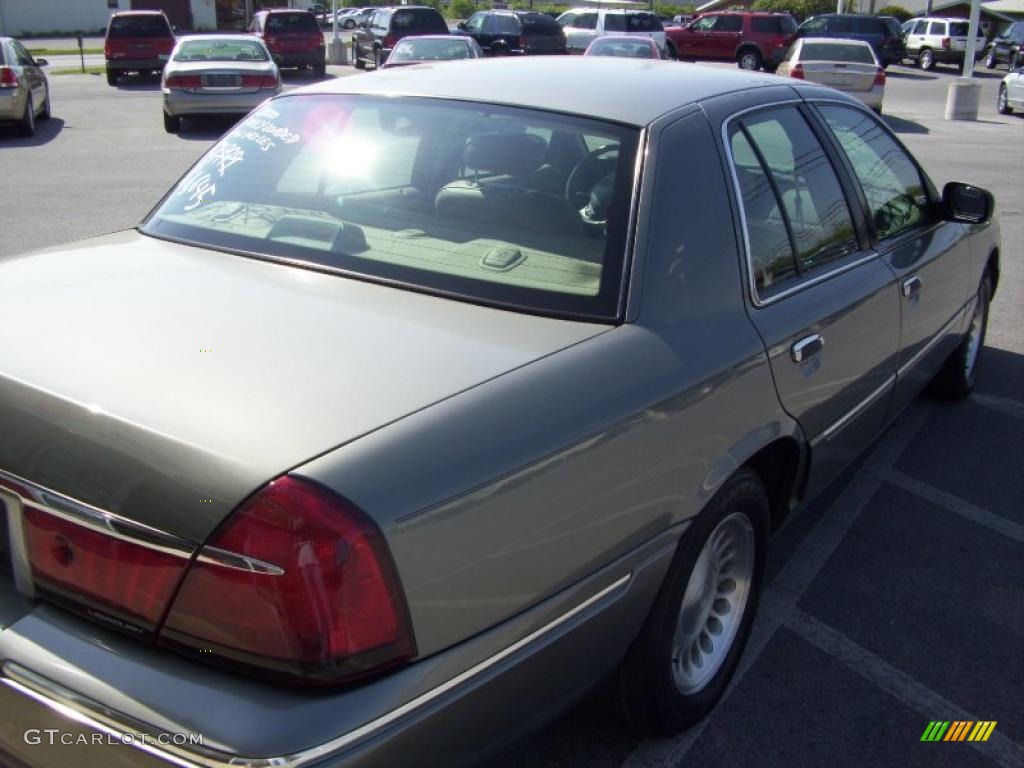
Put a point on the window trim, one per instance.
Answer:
(862, 256)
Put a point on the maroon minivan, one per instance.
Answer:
(753, 40)
(137, 41)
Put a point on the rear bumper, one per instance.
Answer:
(12, 103)
(134, 65)
(303, 59)
(183, 104)
(872, 98)
(109, 701)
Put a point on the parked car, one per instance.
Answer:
(137, 41)
(752, 40)
(583, 25)
(504, 33)
(1011, 92)
(883, 32)
(217, 75)
(1007, 48)
(293, 38)
(433, 405)
(372, 43)
(624, 46)
(846, 65)
(427, 49)
(350, 18)
(934, 40)
(24, 89)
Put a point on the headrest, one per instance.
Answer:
(515, 154)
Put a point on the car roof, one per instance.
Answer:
(615, 96)
(836, 41)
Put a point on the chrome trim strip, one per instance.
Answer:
(802, 284)
(932, 342)
(858, 409)
(16, 541)
(226, 559)
(629, 257)
(92, 715)
(94, 518)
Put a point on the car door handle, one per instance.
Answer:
(911, 287)
(807, 347)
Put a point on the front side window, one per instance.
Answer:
(921, 28)
(892, 184)
(806, 206)
(705, 23)
(445, 197)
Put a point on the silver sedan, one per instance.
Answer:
(217, 75)
(846, 65)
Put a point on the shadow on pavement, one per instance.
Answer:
(46, 131)
(900, 125)
(205, 128)
(138, 83)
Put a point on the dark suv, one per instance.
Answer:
(1007, 48)
(883, 33)
(500, 33)
(293, 38)
(753, 40)
(373, 39)
(137, 41)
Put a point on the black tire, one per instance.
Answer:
(749, 59)
(1002, 101)
(956, 379)
(357, 62)
(349, 24)
(46, 112)
(320, 68)
(27, 124)
(652, 701)
(990, 60)
(670, 52)
(111, 76)
(378, 60)
(926, 59)
(172, 124)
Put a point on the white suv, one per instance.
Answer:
(583, 25)
(932, 40)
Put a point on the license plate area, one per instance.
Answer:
(222, 81)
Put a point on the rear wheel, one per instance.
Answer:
(749, 58)
(45, 113)
(350, 24)
(320, 68)
(172, 124)
(111, 76)
(670, 52)
(378, 60)
(680, 664)
(926, 59)
(957, 377)
(990, 60)
(27, 124)
(357, 62)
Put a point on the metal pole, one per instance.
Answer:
(972, 38)
(335, 12)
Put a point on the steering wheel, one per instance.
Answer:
(588, 171)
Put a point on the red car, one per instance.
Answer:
(293, 38)
(137, 41)
(753, 40)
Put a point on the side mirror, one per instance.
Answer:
(42, 63)
(967, 204)
(461, 25)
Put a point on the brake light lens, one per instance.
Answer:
(880, 77)
(183, 82)
(946, 43)
(8, 78)
(797, 71)
(316, 40)
(308, 590)
(259, 81)
(390, 40)
(522, 43)
(93, 570)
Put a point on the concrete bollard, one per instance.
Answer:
(962, 99)
(338, 51)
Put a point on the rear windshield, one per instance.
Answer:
(538, 24)
(632, 22)
(893, 27)
(220, 50)
(285, 23)
(505, 24)
(418, 49)
(439, 196)
(855, 54)
(418, 20)
(783, 25)
(139, 26)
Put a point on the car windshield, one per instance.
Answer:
(139, 26)
(500, 205)
(854, 54)
(639, 49)
(412, 49)
(632, 22)
(291, 23)
(220, 50)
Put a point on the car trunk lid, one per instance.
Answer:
(841, 75)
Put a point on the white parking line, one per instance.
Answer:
(929, 704)
(779, 602)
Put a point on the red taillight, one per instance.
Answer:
(183, 82)
(316, 40)
(390, 40)
(522, 43)
(90, 568)
(880, 77)
(259, 81)
(8, 78)
(797, 71)
(307, 590)
(946, 43)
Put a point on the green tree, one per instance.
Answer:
(801, 9)
(897, 11)
(462, 9)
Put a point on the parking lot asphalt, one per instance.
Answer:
(896, 599)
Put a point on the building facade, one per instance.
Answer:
(24, 18)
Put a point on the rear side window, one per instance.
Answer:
(138, 26)
(937, 28)
(773, 25)
(291, 23)
(839, 25)
(418, 20)
(805, 223)
(892, 184)
(729, 24)
(867, 26)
